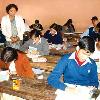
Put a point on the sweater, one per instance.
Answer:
(42, 47)
(22, 65)
(56, 39)
(84, 75)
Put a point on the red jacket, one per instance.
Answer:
(22, 65)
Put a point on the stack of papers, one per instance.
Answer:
(41, 59)
(37, 70)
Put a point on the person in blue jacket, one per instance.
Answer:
(77, 68)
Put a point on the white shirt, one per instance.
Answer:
(12, 68)
(6, 27)
(96, 53)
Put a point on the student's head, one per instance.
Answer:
(53, 29)
(68, 22)
(86, 47)
(11, 9)
(36, 21)
(35, 35)
(94, 20)
(9, 54)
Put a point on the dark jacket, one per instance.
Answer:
(56, 39)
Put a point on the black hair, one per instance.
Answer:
(37, 21)
(54, 26)
(24, 20)
(94, 18)
(68, 22)
(11, 6)
(9, 54)
(35, 32)
(87, 43)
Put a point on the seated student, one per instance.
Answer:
(79, 73)
(37, 26)
(68, 27)
(91, 30)
(37, 42)
(16, 62)
(53, 35)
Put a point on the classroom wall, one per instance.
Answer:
(49, 11)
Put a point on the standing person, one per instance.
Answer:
(13, 26)
(17, 62)
(79, 73)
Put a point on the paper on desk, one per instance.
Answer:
(39, 59)
(4, 75)
(40, 77)
(32, 55)
(37, 70)
(82, 93)
(32, 48)
(56, 46)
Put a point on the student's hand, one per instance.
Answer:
(35, 52)
(14, 39)
(26, 51)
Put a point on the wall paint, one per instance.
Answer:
(49, 11)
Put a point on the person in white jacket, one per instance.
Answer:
(13, 27)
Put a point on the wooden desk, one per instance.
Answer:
(47, 66)
(43, 65)
(33, 90)
(51, 59)
(29, 89)
(79, 33)
(61, 52)
(72, 36)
